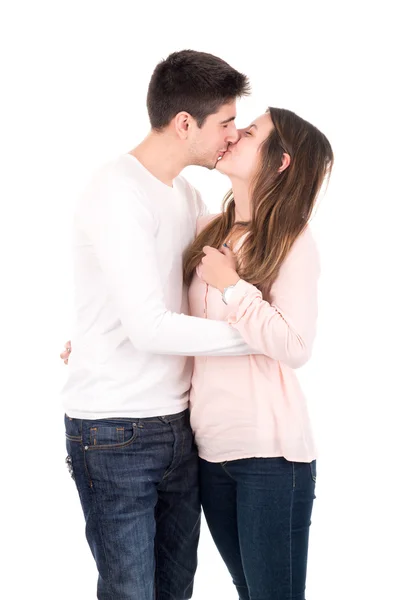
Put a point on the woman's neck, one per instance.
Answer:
(241, 196)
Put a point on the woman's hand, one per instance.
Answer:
(218, 267)
(65, 354)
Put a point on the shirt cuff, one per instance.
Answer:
(240, 292)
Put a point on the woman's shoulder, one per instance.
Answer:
(304, 252)
(305, 242)
(203, 221)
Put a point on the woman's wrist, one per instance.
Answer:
(229, 279)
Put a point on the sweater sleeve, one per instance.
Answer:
(121, 229)
(284, 327)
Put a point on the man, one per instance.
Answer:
(130, 446)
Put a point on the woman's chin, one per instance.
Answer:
(222, 167)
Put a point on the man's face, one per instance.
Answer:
(208, 143)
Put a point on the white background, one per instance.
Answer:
(74, 78)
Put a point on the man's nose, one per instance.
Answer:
(238, 136)
(233, 136)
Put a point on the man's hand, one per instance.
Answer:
(218, 267)
(65, 354)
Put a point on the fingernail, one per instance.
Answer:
(226, 245)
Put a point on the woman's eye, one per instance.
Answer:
(248, 132)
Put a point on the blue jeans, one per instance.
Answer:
(258, 511)
(138, 484)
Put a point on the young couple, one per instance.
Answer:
(146, 255)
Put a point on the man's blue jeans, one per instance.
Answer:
(138, 484)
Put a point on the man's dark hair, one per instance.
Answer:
(195, 82)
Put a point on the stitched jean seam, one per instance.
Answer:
(223, 465)
(114, 446)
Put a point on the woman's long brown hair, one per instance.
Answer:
(281, 203)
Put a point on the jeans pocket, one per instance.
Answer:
(108, 434)
(72, 429)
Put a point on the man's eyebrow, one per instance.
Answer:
(228, 120)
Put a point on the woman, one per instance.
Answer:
(248, 413)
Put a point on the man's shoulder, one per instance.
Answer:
(116, 184)
(115, 170)
(120, 173)
(123, 169)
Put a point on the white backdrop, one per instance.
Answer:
(74, 78)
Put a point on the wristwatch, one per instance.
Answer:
(227, 293)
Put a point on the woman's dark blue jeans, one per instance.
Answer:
(258, 511)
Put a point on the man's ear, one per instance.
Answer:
(183, 122)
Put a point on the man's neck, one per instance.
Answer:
(160, 155)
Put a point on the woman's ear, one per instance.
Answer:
(285, 162)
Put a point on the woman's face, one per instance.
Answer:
(240, 161)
